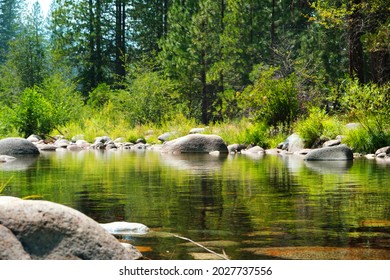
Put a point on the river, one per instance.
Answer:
(246, 207)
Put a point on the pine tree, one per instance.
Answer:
(9, 19)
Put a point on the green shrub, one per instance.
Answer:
(256, 134)
(148, 98)
(271, 99)
(33, 113)
(316, 126)
(364, 141)
(41, 109)
(369, 104)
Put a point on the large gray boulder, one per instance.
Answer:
(17, 146)
(195, 143)
(44, 230)
(340, 152)
(294, 143)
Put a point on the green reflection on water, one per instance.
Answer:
(248, 203)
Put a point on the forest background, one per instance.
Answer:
(253, 71)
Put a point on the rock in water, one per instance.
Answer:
(125, 228)
(44, 230)
(195, 143)
(340, 152)
(17, 146)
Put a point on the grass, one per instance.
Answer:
(4, 185)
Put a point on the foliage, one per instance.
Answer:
(363, 141)
(369, 104)
(28, 51)
(272, 99)
(316, 126)
(6, 117)
(41, 109)
(148, 98)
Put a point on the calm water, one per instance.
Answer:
(249, 207)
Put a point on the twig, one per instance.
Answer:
(224, 256)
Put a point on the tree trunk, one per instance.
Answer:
(356, 58)
(120, 51)
(205, 101)
(91, 72)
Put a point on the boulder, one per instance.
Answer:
(236, 148)
(17, 146)
(293, 143)
(331, 143)
(34, 138)
(11, 248)
(47, 230)
(197, 130)
(340, 152)
(385, 150)
(254, 150)
(165, 136)
(195, 143)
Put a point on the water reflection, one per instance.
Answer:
(329, 167)
(21, 163)
(236, 203)
(196, 163)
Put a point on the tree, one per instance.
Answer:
(9, 19)
(81, 39)
(149, 22)
(367, 25)
(27, 56)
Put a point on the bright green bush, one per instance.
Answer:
(317, 125)
(41, 109)
(369, 104)
(148, 98)
(363, 141)
(271, 99)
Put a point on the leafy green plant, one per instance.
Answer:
(317, 125)
(369, 104)
(272, 99)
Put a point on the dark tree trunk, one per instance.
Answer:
(355, 32)
(92, 70)
(120, 51)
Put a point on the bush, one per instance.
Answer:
(148, 98)
(41, 109)
(363, 141)
(271, 99)
(369, 104)
(316, 126)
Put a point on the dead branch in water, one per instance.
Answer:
(224, 256)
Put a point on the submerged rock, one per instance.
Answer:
(45, 230)
(125, 228)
